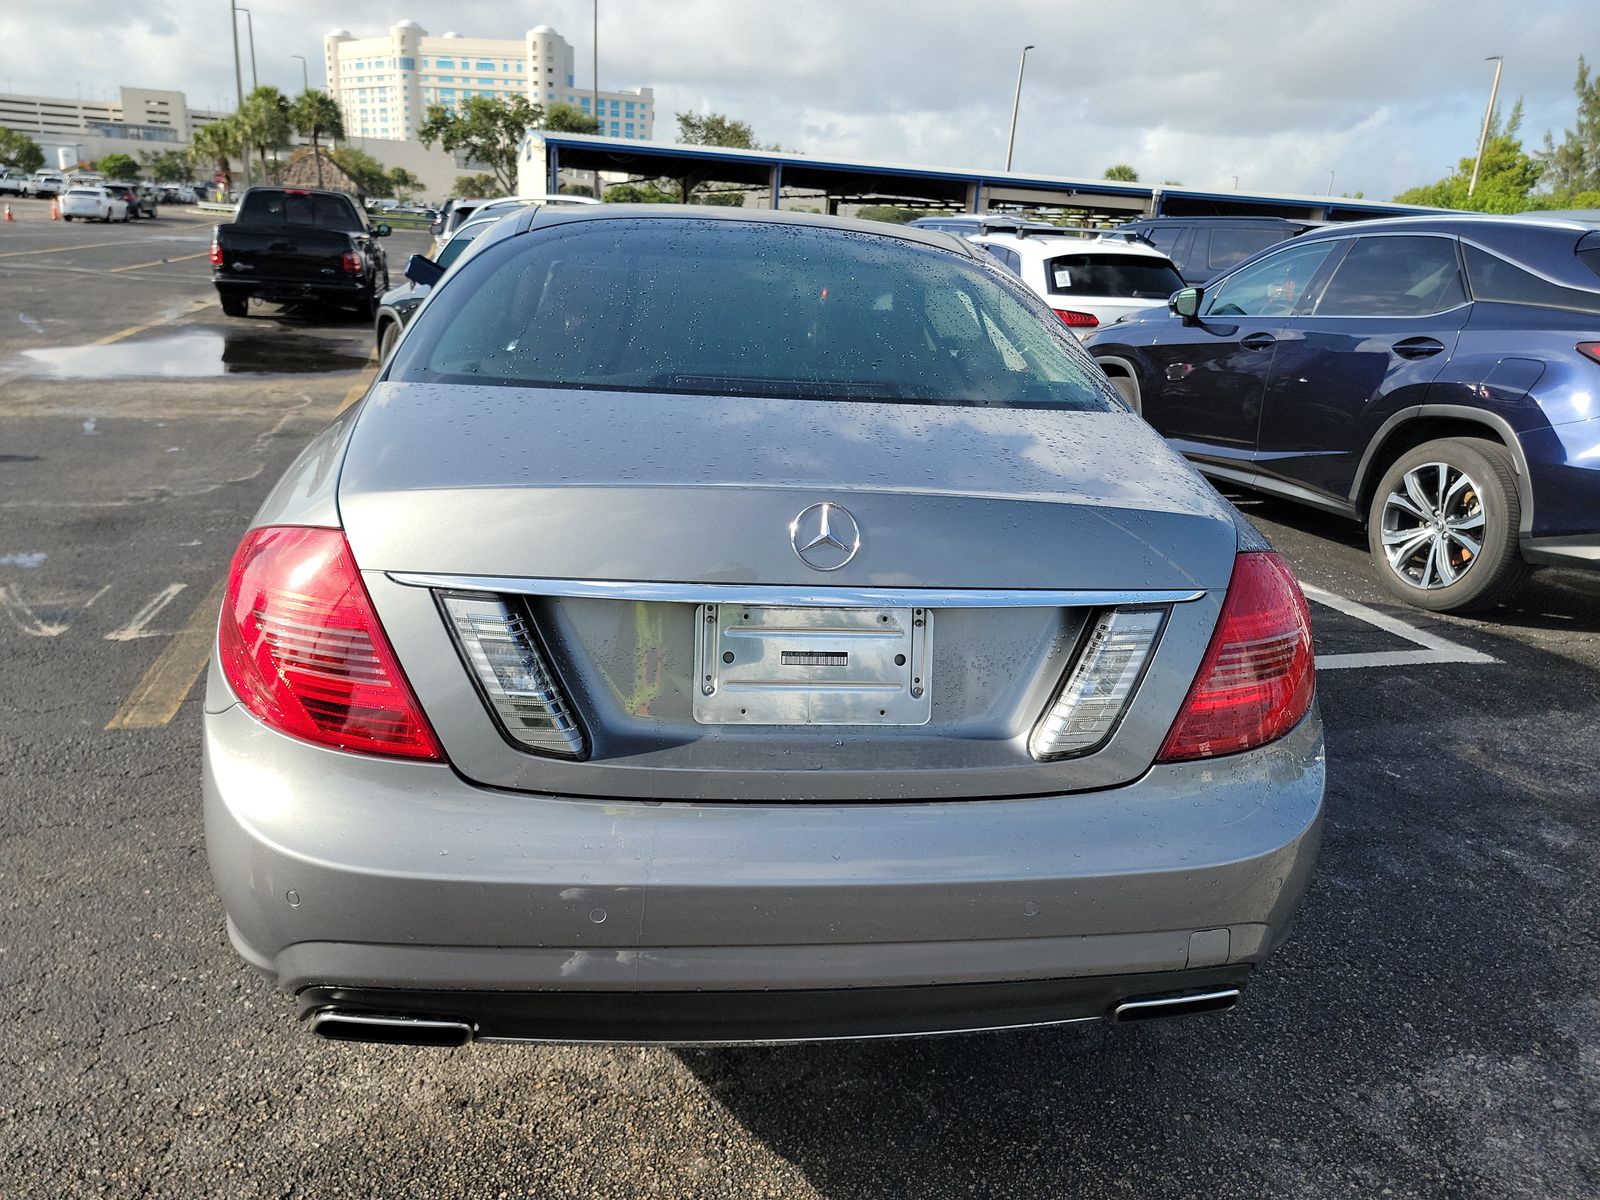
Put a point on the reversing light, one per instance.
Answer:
(303, 650)
(1259, 673)
(1100, 685)
(500, 647)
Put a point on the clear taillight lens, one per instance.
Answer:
(301, 647)
(1100, 685)
(1259, 674)
(502, 650)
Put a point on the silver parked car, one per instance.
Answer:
(719, 626)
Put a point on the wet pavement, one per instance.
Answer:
(1432, 1029)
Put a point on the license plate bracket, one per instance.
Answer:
(765, 665)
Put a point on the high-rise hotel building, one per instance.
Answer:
(384, 85)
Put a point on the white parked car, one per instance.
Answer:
(13, 182)
(93, 204)
(47, 183)
(1088, 281)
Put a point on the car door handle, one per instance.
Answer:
(1258, 341)
(1418, 347)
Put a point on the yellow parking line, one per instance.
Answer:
(156, 698)
(363, 382)
(62, 249)
(160, 262)
(194, 306)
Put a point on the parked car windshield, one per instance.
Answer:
(1112, 275)
(745, 308)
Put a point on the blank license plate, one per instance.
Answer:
(812, 666)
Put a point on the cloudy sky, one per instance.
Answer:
(1383, 93)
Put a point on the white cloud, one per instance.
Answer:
(1386, 93)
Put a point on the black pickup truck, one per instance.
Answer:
(299, 244)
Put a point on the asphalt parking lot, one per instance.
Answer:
(1432, 1029)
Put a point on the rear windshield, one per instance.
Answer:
(300, 208)
(745, 309)
(84, 192)
(1111, 275)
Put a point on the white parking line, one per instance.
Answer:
(1433, 648)
(137, 626)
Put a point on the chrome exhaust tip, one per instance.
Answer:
(1149, 1009)
(338, 1026)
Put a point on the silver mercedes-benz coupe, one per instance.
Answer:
(722, 626)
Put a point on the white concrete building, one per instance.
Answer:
(384, 85)
(139, 120)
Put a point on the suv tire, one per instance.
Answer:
(235, 306)
(1481, 508)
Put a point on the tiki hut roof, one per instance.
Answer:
(300, 170)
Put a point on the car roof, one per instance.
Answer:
(1044, 245)
(1241, 219)
(559, 214)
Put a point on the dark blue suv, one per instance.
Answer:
(1437, 378)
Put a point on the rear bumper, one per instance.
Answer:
(386, 886)
(286, 291)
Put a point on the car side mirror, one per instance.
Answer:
(421, 269)
(381, 231)
(1186, 302)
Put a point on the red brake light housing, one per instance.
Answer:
(302, 648)
(352, 263)
(1590, 350)
(1258, 677)
(216, 253)
(1076, 320)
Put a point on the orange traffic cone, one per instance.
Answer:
(55, 211)
(9, 217)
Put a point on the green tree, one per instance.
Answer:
(119, 166)
(402, 183)
(474, 185)
(316, 115)
(643, 192)
(20, 150)
(264, 121)
(488, 130)
(170, 166)
(215, 145)
(369, 174)
(1505, 181)
(564, 118)
(717, 129)
(1574, 165)
(1122, 172)
(887, 212)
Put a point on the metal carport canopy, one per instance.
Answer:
(544, 155)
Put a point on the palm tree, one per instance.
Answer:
(214, 144)
(314, 114)
(264, 119)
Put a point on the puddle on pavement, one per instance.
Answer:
(199, 354)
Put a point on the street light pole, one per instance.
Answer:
(1330, 183)
(250, 26)
(1488, 115)
(305, 75)
(238, 80)
(1016, 101)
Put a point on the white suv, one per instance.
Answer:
(1088, 280)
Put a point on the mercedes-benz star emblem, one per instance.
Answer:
(825, 536)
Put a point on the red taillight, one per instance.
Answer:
(1590, 350)
(302, 648)
(352, 263)
(216, 255)
(1076, 320)
(1259, 673)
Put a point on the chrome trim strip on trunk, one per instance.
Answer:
(796, 595)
